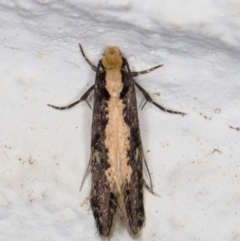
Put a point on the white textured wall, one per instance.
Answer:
(44, 152)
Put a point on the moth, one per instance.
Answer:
(117, 158)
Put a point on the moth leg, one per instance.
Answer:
(151, 190)
(85, 57)
(83, 98)
(86, 173)
(86, 200)
(148, 172)
(134, 73)
(149, 99)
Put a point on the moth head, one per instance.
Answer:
(112, 58)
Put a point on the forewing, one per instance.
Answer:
(133, 188)
(103, 200)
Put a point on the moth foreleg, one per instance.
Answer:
(134, 73)
(149, 99)
(85, 57)
(83, 98)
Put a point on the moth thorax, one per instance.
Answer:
(112, 58)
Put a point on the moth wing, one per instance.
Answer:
(132, 189)
(102, 199)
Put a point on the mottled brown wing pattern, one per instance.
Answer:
(132, 191)
(103, 200)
